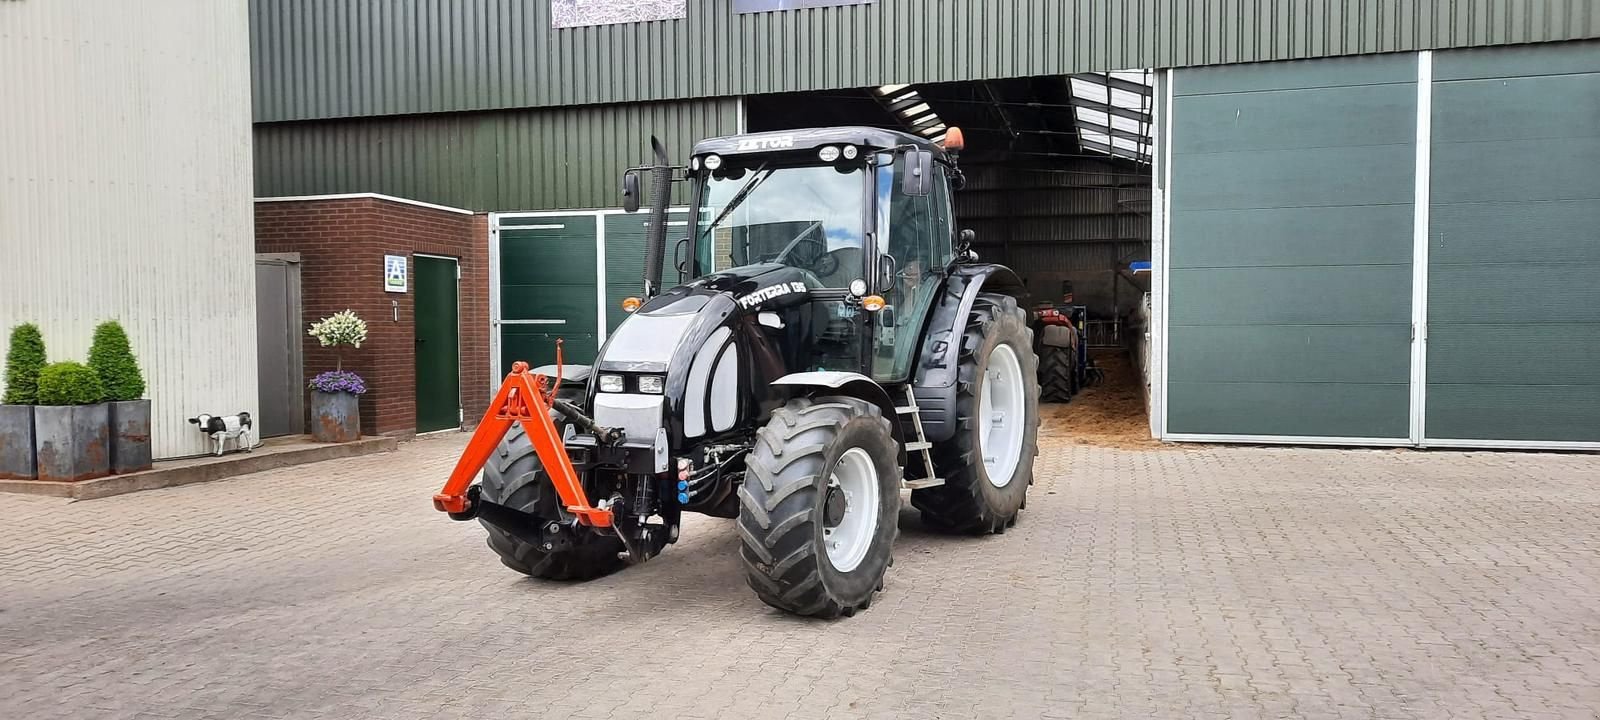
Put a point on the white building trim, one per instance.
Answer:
(367, 196)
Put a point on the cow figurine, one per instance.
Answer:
(219, 429)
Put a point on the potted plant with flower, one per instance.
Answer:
(24, 360)
(335, 404)
(111, 358)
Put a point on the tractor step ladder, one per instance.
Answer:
(920, 445)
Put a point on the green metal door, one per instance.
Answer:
(548, 288)
(1289, 303)
(625, 241)
(1513, 353)
(438, 347)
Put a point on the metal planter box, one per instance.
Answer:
(130, 436)
(18, 458)
(335, 417)
(73, 441)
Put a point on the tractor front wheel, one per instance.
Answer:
(819, 506)
(988, 465)
(515, 478)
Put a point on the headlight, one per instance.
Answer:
(610, 383)
(651, 384)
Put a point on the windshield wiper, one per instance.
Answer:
(739, 197)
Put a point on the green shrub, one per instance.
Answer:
(23, 362)
(112, 359)
(69, 383)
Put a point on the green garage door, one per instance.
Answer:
(1290, 247)
(1513, 351)
(548, 289)
(625, 240)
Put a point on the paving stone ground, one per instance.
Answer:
(1212, 582)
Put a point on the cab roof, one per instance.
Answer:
(811, 138)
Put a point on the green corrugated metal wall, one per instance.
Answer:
(506, 160)
(1291, 246)
(341, 58)
(1514, 245)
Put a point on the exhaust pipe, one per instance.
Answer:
(660, 199)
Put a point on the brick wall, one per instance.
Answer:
(341, 243)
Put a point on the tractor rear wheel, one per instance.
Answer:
(515, 478)
(987, 465)
(1055, 374)
(819, 506)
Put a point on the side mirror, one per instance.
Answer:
(630, 191)
(964, 240)
(918, 180)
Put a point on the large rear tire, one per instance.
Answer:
(515, 478)
(987, 465)
(1055, 374)
(819, 506)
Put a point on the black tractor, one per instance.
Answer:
(830, 344)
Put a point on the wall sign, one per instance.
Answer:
(578, 13)
(394, 273)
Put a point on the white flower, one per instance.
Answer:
(341, 328)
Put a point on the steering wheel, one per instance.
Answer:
(809, 252)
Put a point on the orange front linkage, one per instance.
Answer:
(520, 399)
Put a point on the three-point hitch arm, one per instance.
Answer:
(522, 398)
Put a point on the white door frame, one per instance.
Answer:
(1419, 248)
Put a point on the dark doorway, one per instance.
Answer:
(278, 336)
(438, 347)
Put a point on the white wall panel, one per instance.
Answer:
(125, 188)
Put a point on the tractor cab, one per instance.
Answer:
(860, 218)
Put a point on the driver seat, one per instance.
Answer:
(849, 268)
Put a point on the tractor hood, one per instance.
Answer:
(665, 332)
(685, 316)
(707, 339)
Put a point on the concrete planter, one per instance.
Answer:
(130, 436)
(18, 458)
(335, 417)
(73, 441)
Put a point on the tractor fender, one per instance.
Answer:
(1061, 336)
(939, 364)
(856, 385)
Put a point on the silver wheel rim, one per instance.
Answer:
(857, 477)
(1001, 410)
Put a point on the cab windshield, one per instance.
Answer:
(808, 217)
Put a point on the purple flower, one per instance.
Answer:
(335, 381)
